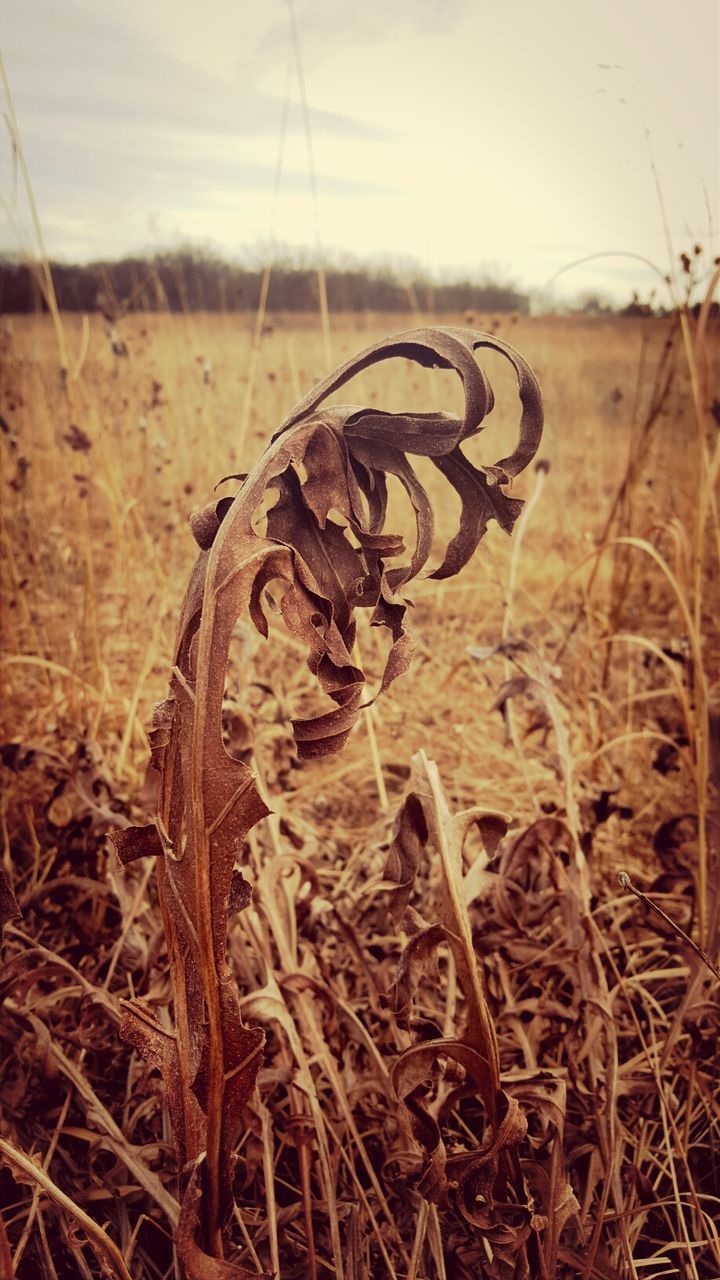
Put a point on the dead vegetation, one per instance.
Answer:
(482, 1055)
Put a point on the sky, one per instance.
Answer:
(501, 137)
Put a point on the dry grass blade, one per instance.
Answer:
(26, 1170)
(323, 462)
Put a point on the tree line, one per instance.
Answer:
(188, 281)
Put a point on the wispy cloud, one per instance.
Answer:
(457, 131)
(90, 65)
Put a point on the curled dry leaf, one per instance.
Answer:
(412, 1069)
(336, 461)
(476, 1188)
(519, 1206)
(325, 543)
(425, 821)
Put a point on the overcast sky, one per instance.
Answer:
(463, 134)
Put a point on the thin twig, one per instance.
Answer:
(626, 883)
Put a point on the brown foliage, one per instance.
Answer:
(321, 462)
(597, 1154)
(517, 1208)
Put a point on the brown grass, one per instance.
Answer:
(589, 728)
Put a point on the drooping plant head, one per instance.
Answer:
(326, 460)
(322, 463)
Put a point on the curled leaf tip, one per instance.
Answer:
(337, 459)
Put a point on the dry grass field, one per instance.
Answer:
(566, 678)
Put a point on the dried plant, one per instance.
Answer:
(516, 1208)
(603, 1004)
(324, 542)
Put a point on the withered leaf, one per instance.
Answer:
(140, 1027)
(482, 500)
(417, 959)
(409, 837)
(409, 1073)
(474, 1175)
(324, 539)
(486, 1184)
(196, 1262)
(136, 842)
(240, 893)
(346, 454)
(544, 1095)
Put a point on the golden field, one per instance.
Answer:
(601, 754)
